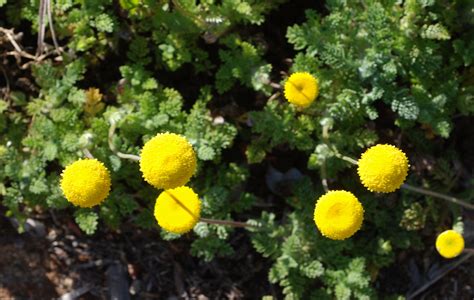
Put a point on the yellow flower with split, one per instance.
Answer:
(86, 182)
(301, 89)
(338, 214)
(449, 244)
(167, 161)
(383, 168)
(178, 210)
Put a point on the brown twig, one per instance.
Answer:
(18, 52)
(11, 38)
(7, 81)
(435, 279)
(51, 27)
(41, 27)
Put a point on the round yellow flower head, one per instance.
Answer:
(449, 244)
(301, 89)
(86, 182)
(178, 210)
(338, 214)
(383, 168)
(167, 161)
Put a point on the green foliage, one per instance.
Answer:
(396, 72)
(242, 62)
(279, 124)
(87, 220)
(372, 52)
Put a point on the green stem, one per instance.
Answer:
(437, 195)
(210, 221)
(324, 177)
(87, 153)
(414, 188)
(133, 157)
(226, 222)
(345, 158)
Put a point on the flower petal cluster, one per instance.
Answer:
(86, 182)
(383, 168)
(338, 214)
(449, 244)
(301, 89)
(178, 210)
(167, 161)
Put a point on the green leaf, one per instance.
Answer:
(206, 153)
(104, 23)
(435, 32)
(87, 220)
(312, 269)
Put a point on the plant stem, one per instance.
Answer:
(226, 222)
(349, 159)
(210, 221)
(445, 271)
(414, 188)
(345, 158)
(87, 153)
(133, 157)
(275, 85)
(128, 156)
(437, 195)
(324, 177)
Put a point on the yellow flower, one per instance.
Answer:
(178, 210)
(449, 244)
(301, 89)
(167, 161)
(338, 214)
(86, 182)
(383, 168)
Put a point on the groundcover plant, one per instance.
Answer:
(334, 135)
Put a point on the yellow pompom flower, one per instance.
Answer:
(383, 168)
(167, 161)
(178, 210)
(301, 89)
(449, 244)
(86, 182)
(338, 214)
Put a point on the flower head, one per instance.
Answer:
(449, 244)
(178, 210)
(383, 168)
(86, 182)
(167, 161)
(338, 214)
(301, 89)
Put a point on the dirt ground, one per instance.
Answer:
(55, 260)
(62, 262)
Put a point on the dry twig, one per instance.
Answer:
(19, 53)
